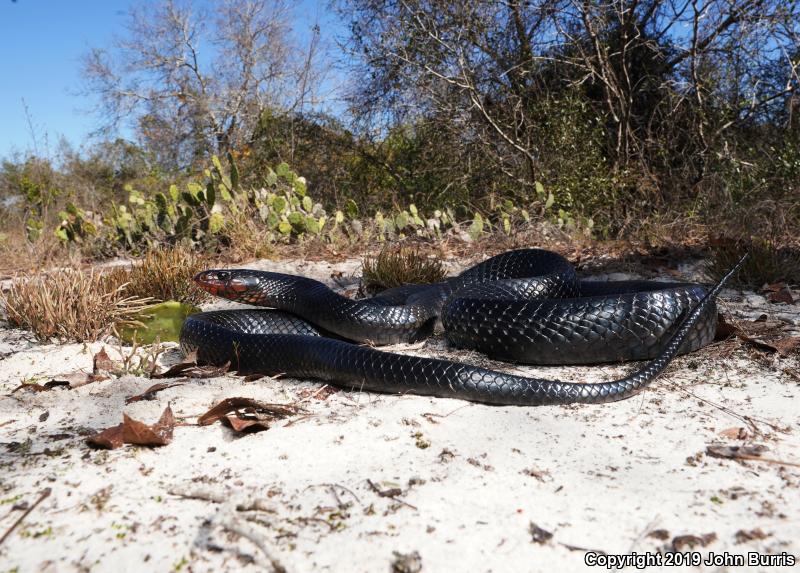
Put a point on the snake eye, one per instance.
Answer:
(223, 275)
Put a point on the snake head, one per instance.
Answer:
(238, 285)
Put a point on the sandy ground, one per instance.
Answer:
(369, 482)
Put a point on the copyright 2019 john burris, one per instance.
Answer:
(689, 558)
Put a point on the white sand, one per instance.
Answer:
(472, 478)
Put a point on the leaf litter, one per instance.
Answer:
(246, 415)
(134, 432)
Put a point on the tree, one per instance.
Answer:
(194, 81)
(667, 83)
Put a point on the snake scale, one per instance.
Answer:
(526, 306)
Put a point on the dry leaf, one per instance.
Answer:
(786, 346)
(245, 424)
(783, 295)
(538, 535)
(132, 431)
(110, 438)
(33, 388)
(139, 433)
(660, 534)
(778, 292)
(746, 452)
(192, 370)
(71, 380)
(724, 328)
(737, 433)
(75, 379)
(318, 393)
(248, 413)
(743, 536)
(150, 393)
(102, 362)
(783, 346)
(681, 542)
(736, 452)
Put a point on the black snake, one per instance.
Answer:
(521, 306)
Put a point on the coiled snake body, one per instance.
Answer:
(522, 306)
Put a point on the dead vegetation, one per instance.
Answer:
(69, 304)
(163, 274)
(398, 266)
(85, 305)
(769, 262)
(17, 254)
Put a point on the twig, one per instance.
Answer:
(758, 459)
(333, 486)
(750, 421)
(42, 496)
(390, 493)
(237, 526)
(206, 494)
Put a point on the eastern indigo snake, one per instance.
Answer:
(522, 306)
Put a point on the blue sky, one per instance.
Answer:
(41, 44)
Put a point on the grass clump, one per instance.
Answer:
(768, 262)
(164, 274)
(398, 266)
(69, 304)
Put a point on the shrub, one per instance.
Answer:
(164, 274)
(768, 262)
(70, 305)
(398, 266)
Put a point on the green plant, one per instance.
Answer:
(75, 225)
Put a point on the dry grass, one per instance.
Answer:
(69, 304)
(768, 262)
(18, 255)
(397, 266)
(163, 274)
(246, 239)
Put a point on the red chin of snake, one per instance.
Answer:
(231, 288)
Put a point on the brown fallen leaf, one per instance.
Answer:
(110, 438)
(745, 452)
(242, 423)
(318, 393)
(724, 328)
(733, 452)
(538, 535)
(742, 536)
(786, 346)
(75, 379)
(737, 433)
(262, 411)
(101, 362)
(783, 295)
(158, 434)
(193, 370)
(783, 346)
(660, 534)
(71, 380)
(681, 542)
(33, 387)
(778, 292)
(774, 287)
(150, 393)
(132, 431)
